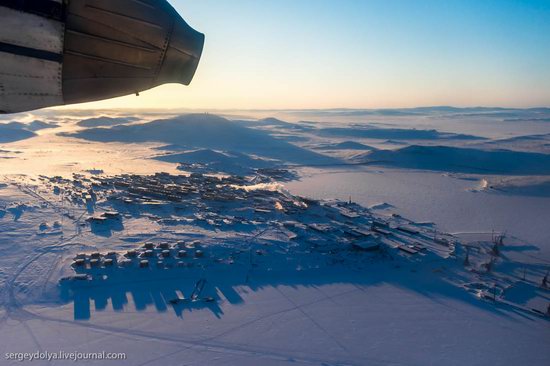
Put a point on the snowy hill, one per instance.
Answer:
(206, 131)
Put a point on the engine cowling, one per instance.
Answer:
(55, 52)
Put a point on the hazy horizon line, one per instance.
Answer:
(70, 108)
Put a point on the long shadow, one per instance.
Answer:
(164, 290)
(17, 212)
(106, 228)
(161, 291)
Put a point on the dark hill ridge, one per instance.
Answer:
(461, 160)
(14, 131)
(206, 131)
(37, 125)
(345, 145)
(104, 121)
(427, 111)
(392, 133)
(278, 124)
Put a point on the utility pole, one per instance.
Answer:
(495, 250)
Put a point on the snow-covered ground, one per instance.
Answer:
(272, 268)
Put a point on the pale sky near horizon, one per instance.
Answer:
(301, 54)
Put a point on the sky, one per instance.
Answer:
(313, 54)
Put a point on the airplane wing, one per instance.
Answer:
(56, 52)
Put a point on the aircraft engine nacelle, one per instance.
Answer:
(56, 52)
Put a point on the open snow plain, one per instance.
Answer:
(342, 237)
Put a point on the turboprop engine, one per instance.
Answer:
(57, 52)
